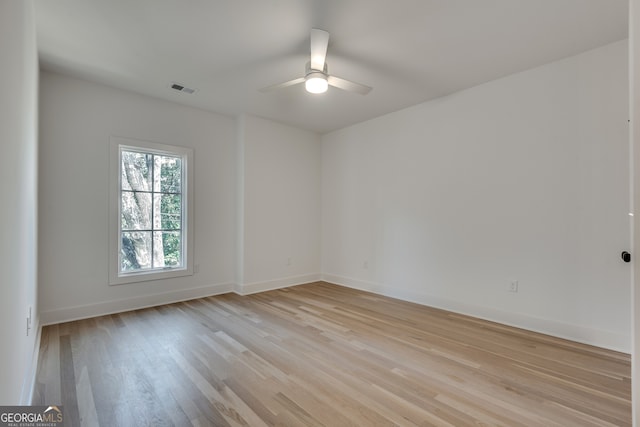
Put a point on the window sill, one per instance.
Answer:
(147, 276)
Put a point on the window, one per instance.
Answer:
(150, 211)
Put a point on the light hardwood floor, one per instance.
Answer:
(323, 355)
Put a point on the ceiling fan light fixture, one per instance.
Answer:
(316, 77)
(316, 82)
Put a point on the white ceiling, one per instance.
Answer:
(410, 51)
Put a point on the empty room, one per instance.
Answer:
(319, 213)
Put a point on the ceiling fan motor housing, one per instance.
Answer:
(308, 70)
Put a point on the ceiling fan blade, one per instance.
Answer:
(348, 85)
(319, 43)
(282, 85)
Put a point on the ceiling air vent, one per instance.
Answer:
(182, 88)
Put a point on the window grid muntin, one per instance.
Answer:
(152, 192)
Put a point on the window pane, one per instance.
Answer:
(168, 212)
(167, 249)
(135, 253)
(136, 211)
(168, 174)
(136, 171)
(152, 210)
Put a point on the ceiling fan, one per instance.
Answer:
(316, 77)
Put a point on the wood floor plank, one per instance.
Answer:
(48, 379)
(68, 382)
(323, 355)
(86, 405)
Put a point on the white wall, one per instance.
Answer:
(18, 221)
(77, 119)
(521, 179)
(634, 143)
(257, 198)
(279, 235)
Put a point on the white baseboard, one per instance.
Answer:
(600, 338)
(67, 314)
(596, 337)
(252, 288)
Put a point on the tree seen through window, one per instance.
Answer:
(151, 208)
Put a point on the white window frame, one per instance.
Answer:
(116, 145)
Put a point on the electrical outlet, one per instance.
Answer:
(29, 318)
(365, 265)
(513, 286)
(288, 261)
